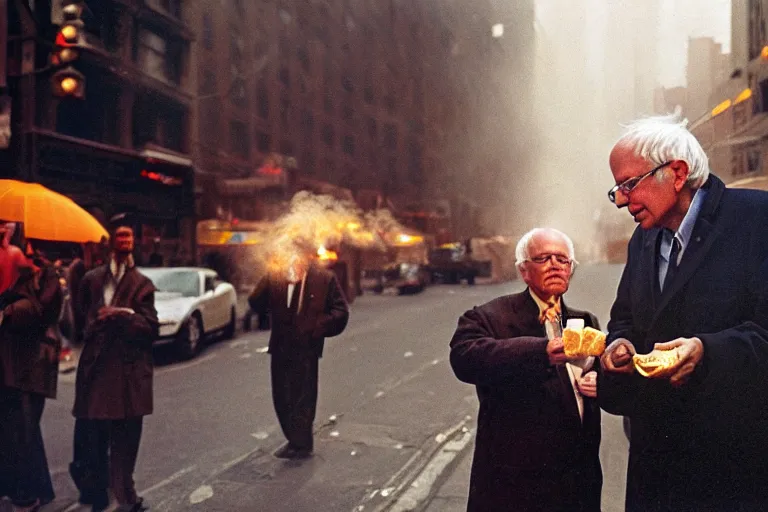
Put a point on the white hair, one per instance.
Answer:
(521, 251)
(659, 139)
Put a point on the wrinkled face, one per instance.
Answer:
(550, 277)
(123, 242)
(652, 201)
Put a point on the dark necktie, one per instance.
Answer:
(672, 267)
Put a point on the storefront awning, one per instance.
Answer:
(164, 156)
(248, 186)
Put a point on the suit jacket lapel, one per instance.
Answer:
(704, 235)
(650, 264)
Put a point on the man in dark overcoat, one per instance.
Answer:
(29, 367)
(538, 429)
(307, 306)
(113, 391)
(696, 282)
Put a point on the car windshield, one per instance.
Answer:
(183, 282)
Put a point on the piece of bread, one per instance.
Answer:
(585, 342)
(655, 361)
(571, 341)
(593, 342)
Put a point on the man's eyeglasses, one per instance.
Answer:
(559, 258)
(629, 185)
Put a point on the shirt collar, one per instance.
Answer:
(116, 270)
(542, 303)
(685, 230)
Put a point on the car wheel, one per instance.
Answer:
(229, 330)
(190, 339)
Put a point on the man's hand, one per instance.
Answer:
(587, 384)
(690, 351)
(556, 351)
(617, 358)
(112, 312)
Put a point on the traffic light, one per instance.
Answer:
(69, 43)
(68, 82)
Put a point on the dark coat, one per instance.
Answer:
(702, 446)
(29, 346)
(324, 313)
(114, 374)
(532, 451)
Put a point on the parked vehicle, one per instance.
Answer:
(451, 263)
(191, 304)
(407, 278)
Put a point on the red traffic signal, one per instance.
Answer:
(68, 83)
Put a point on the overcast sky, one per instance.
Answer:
(681, 19)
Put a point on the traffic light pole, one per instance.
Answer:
(3, 42)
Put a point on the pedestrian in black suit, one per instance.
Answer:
(307, 306)
(538, 429)
(696, 281)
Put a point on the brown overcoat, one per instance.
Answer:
(29, 348)
(114, 374)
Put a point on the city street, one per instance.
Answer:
(387, 394)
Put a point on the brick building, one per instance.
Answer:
(125, 146)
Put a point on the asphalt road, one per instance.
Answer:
(386, 394)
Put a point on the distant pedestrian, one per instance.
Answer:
(113, 391)
(29, 366)
(538, 429)
(307, 306)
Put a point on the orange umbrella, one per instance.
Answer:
(46, 214)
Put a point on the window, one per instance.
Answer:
(208, 31)
(368, 94)
(236, 49)
(303, 58)
(264, 141)
(347, 112)
(238, 133)
(238, 94)
(372, 129)
(307, 124)
(390, 136)
(349, 145)
(327, 135)
(285, 110)
(414, 161)
(208, 85)
(159, 122)
(285, 77)
(158, 58)
(346, 84)
(262, 98)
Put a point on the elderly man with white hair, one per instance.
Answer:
(538, 430)
(695, 292)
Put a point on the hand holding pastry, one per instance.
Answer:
(617, 358)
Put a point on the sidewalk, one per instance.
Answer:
(452, 494)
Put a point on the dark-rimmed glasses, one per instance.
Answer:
(629, 185)
(559, 258)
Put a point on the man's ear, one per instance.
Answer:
(681, 170)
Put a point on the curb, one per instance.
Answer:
(412, 485)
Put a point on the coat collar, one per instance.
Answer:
(703, 236)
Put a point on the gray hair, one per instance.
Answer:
(521, 251)
(659, 139)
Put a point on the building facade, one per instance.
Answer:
(735, 130)
(125, 146)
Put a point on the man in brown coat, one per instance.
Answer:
(307, 305)
(113, 391)
(29, 367)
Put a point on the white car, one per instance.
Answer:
(192, 302)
